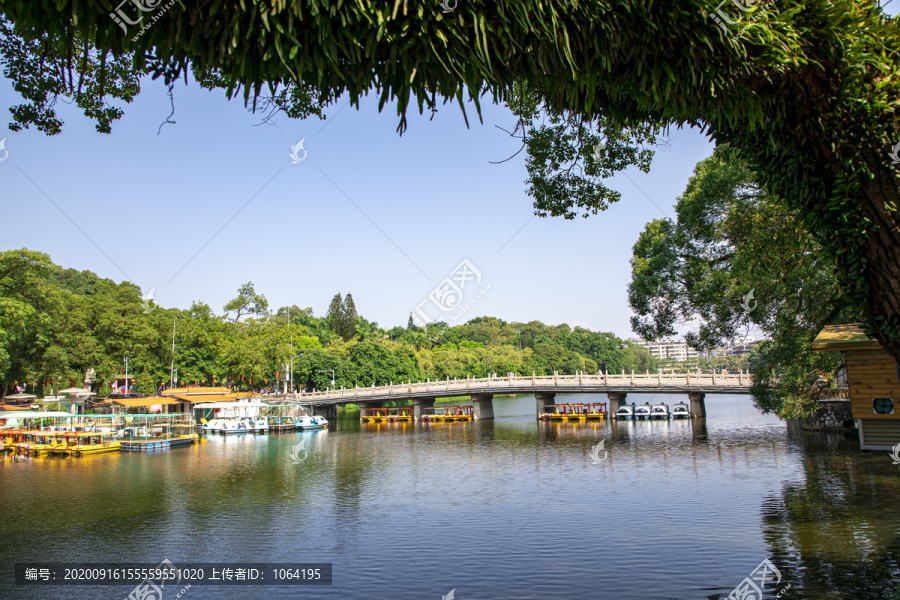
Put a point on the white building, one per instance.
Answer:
(667, 349)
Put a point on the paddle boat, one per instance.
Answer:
(659, 411)
(681, 411)
(642, 412)
(45, 441)
(625, 411)
(225, 426)
(312, 422)
(574, 412)
(87, 442)
(255, 424)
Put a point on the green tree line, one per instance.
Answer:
(57, 323)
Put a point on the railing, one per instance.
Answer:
(500, 385)
(837, 393)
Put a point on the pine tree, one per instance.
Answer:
(335, 312)
(410, 324)
(348, 319)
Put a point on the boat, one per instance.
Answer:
(383, 415)
(254, 425)
(575, 412)
(289, 423)
(448, 413)
(626, 411)
(642, 412)
(87, 442)
(224, 426)
(312, 422)
(681, 411)
(160, 432)
(659, 411)
(45, 441)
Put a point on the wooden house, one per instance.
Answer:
(873, 385)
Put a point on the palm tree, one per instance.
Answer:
(417, 339)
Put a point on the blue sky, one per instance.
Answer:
(149, 208)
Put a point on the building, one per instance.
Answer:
(667, 349)
(872, 381)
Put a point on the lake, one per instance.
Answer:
(503, 508)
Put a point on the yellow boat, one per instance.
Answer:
(45, 441)
(449, 413)
(385, 415)
(575, 412)
(87, 442)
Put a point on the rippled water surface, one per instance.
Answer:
(502, 509)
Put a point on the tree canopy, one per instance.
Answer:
(736, 262)
(807, 92)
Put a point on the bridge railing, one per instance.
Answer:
(499, 384)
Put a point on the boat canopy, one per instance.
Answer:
(134, 402)
(33, 414)
(232, 404)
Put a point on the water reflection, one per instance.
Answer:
(504, 508)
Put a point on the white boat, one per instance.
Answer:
(642, 412)
(311, 422)
(659, 411)
(625, 412)
(254, 424)
(225, 426)
(681, 411)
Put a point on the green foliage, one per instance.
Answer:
(736, 260)
(57, 323)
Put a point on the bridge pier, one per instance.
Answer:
(698, 404)
(419, 404)
(483, 405)
(616, 400)
(543, 401)
(329, 411)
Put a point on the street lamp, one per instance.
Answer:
(126, 376)
(332, 375)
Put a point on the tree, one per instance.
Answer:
(348, 318)
(736, 260)
(247, 302)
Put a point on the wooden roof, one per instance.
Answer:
(186, 391)
(843, 337)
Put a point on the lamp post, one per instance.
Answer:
(126, 376)
(292, 371)
(332, 375)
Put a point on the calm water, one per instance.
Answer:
(503, 509)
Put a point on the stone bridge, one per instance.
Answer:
(422, 394)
